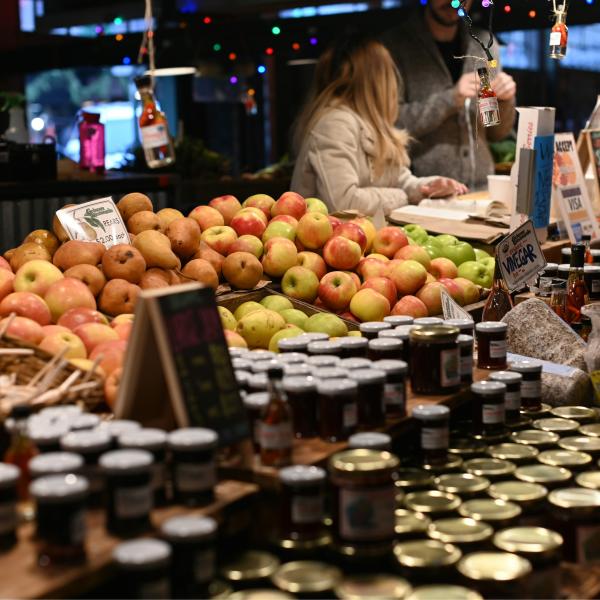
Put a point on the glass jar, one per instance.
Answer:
(370, 399)
(488, 408)
(529, 496)
(193, 566)
(329, 347)
(338, 409)
(193, 465)
(375, 587)
(394, 390)
(549, 476)
(144, 568)
(493, 469)
(535, 437)
(428, 321)
(294, 344)
(570, 459)
(465, 485)
(582, 414)
(465, 346)
(55, 463)
(434, 360)
(323, 360)
(466, 326)
(517, 453)
(591, 275)
(364, 498)
(352, 364)
(47, 436)
(411, 525)
(255, 404)
(426, 560)
(491, 344)
(323, 373)
(302, 398)
(9, 478)
(371, 329)
(60, 517)
(398, 320)
(303, 502)
(252, 567)
(385, 348)
(531, 384)
(498, 513)
(512, 395)
(467, 534)
(434, 427)
(370, 440)
(354, 347)
(129, 492)
(433, 503)
(292, 358)
(307, 578)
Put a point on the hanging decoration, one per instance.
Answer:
(464, 15)
(559, 33)
(487, 100)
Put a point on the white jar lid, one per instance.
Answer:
(193, 438)
(300, 384)
(298, 342)
(257, 400)
(386, 343)
(49, 433)
(292, 358)
(301, 475)
(372, 440)
(9, 475)
(396, 320)
(296, 370)
(374, 326)
(142, 554)
(355, 363)
(462, 324)
(85, 421)
(121, 462)
(56, 489)
(464, 339)
(145, 439)
(323, 360)
(506, 377)
(242, 363)
(333, 387)
(526, 366)
(390, 365)
(428, 321)
(491, 326)
(260, 355)
(55, 462)
(259, 381)
(330, 373)
(118, 426)
(86, 441)
(354, 341)
(324, 347)
(430, 412)
(368, 376)
(189, 528)
(263, 366)
(488, 388)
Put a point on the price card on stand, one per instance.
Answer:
(96, 221)
(520, 256)
(451, 308)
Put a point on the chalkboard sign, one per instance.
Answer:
(178, 370)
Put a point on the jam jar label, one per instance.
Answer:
(393, 394)
(275, 437)
(512, 400)
(588, 543)
(435, 438)
(350, 417)
(132, 502)
(151, 590)
(466, 364)
(492, 414)
(204, 566)
(8, 517)
(77, 527)
(449, 368)
(531, 389)
(195, 477)
(367, 514)
(307, 509)
(498, 349)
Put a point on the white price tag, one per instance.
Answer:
(451, 308)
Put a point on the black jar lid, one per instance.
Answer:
(374, 326)
(56, 489)
(145, 439)
(506, 377)
(193, 438)
(324, 347)
(333, 387)
(301, 384)
(355, 363)
(257, 400)
(302, 475)
(122, 462)
(430, 412)
(9, 475)
(488, 388)
(526, 366)
(368, 376)
(330, 373)
(382, 344)
(354, 342)
(86, 442)
(142, 554)
(491, 327)
(85, 421)
(55, 463)
(189, 528)
(390, 365)
(397, 320)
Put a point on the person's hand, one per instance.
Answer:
(466, 87)
(443, 186)
(504, 86)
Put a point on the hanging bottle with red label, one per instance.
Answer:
(488, 101)
(559, 34)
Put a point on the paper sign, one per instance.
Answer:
(96, 221)
(451, 308)
(520, 256)
(542, 184)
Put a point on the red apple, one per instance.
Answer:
(443, 267)
(6, 283)
(408, 276)
(206, 217)
(234, 339)
(36, 276)
(48, 329)
(355, 278)
(56, 342)
(430, 296)
(430, 278)
(314, 262)
(410, 306)
(369, 305)
(384, 286)
(111, 387)
(219, 239)
(353, 232)
(124, 330)
(24, 329)
(289, 203)
(372, 267)
(92, 334)
(113, 355)
(367, 226)
(248, 223)
(335, 222)
(68, 293)
(470, 290)
(74, 317)
(26, 304)
(280, 255)
(341, 254)
(388, 240)
(247, 243)
(228, 206)
(348, 316)
(313, 230)
(285, 219)
(336, 290)
(454, 289)
(261, 201)
(122, 318)
(414, 253)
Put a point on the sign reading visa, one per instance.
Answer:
(520, 256)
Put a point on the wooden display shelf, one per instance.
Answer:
(22, 578)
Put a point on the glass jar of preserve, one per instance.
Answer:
(364, 498)
(129, 492)
(488, 408)
(402, 333)
(307, 578)
(582, 414)
(338, 409)
(55, 463)
(491, 344)
(411, 525)
(426, 560)
(531, 384)
(535, 437)
(85, 421)
(144, 568)
(549, 476)
(323, 360)
(302, 398)
(517, 453)
(433, 503)
(428, 321)
(493, 469)
(465, 346)
(591, 275)
(255, 404)
(370, 440)
(582, 443)
(466, 326)
(47, 436)
(251, 568)
(9, 478)
(329, 347)
(322, 373)
(434, 427)
(434, 360)
(498, 513)
(375, 587)
(60, 517)
(193, 566)
(193, 465)
(303, 502)
(116, 427)
(394, 390)
(542, 547)
(465, 485)
(292, 358)
(529, 496)
(467, 534)
(352, 364)
(570, 459)
(371, 329)
(398, 320)
(354, 347)
(370, 399)
(512, 396)
(385, 348)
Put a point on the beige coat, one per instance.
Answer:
(335, 165)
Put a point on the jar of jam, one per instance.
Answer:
(352, 364)
(397, 320)
(55, 463)
(255, 405)
(467, 534)
(434, 360)
(465, 345)
(9, 478)
(370, 440)
(332, 347)
(488, 408)
(251, 568)
(303, 502)
(426, 560)
(464, 485)
(292, 358)
(323, 360)
(363, 482)
(394, 390)
(433, 420)
(549, 476)
(308, 578)
(531, 384)
(403, 333)
(144, 568)
(371, 329)
(385, 348)
(47, 436)
(493, 469)
(591, 275)
(193, 465)
(498, 513)
(85, 421)
(116, 427)
(411, 525)
(297, 370)
(193, 565)
(466, 326)
(428, 321)
(324, 373)
(129, 493)
(517, 453)
(491, 344)
(512, 396)
(153, 441)
(294, 344)
(338, 409)
(302, 398)
(371, 407)
(60, 517)
(354, 347)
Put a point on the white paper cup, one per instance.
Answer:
(499, 188)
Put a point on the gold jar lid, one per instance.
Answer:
(544, 474)
(517, 491)
(466, 447)
(260, 594)
(251, 565)
(452, 464)
(426, 553)
(534, 541)
(556, 424)
(564, 458)
(372, 587)
(431, 501)
(362, 461)
(488, 509)
(410, 477)
(591, 429)
(489, 467)
(305, 545)
(589, 479)
(575, 498)
(582, 443)
(443, 592)
(513, 451)
(535, 437)
(408, 521)
(494, 566)
(537, 414)
(461, 483)
(306, 576)
(434, 333)
(459, 530)
(577, 413)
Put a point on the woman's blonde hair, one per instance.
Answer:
(359, 74)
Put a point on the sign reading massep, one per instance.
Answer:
(520, 256)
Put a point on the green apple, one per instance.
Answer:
(246, 308)
(326, 323)
(416, 232)
(458, 252)
(279, 229)
(476, 272)
(293, 316)
(300, 283)
(316, 205)
(479, 254)
(227, 319)
(446, 238)
(489, 263)
(288, 332)
(276, 302)
(259, 327)
(434, 250)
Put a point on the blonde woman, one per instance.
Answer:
(349, 152)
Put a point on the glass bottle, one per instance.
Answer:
(558, 298)
(559, 35)
(499, 301)
(488, 101)
(91, 143)
(154, 129)
(276, 432)
(586, 240)
(577, 292)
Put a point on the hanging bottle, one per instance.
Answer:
(488, 101)
(577, 292)
(499, 301)
(559, 35)
(586, 239)
(91, 143)
(154, 129)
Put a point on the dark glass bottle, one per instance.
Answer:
(499, 301)
(577, 292)
(586, 240)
